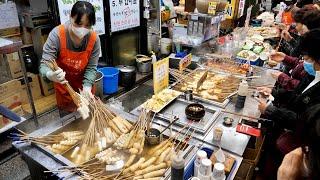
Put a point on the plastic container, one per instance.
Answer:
(98, 83)
(110, 79)
(188, 172)
(166, 46)
(245, 61)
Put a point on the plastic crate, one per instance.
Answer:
(189, 170)
(245, 61)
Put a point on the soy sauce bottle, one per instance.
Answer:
(177, 168)
(242, 94)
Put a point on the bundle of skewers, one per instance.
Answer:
(78, 99)
(152, 165)
(58, 144)
(103, 131)
(179, 75)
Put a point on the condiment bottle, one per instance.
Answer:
(201, 154)
(205, 171)
(242, 94)
(177, 168)
(218, 172)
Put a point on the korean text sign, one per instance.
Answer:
(65, 7)
(161, 75)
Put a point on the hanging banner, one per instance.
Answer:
(248, 17)
(65, 7)
(160, 75)
(124, 14)
(241, 7)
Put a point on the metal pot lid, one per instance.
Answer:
(124, 68)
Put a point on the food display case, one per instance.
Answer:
(215, 88)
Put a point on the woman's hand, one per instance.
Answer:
(286, 35)
(264, 90)
(262, 105)
(278, 56)
(57, 76)
(290, 168)
(276, 74)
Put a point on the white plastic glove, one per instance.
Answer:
(87, 90)
(57, 76)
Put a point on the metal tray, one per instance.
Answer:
(177, 94)
(177, 108)
(197, 97)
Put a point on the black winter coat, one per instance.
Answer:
(298, 103)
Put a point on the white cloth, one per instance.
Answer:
(315, 81)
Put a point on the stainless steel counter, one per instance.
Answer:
(232, 142)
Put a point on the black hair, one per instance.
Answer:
(311, 139)
(290, 2)
(81, 8)
(312, 19)
(310, 43)
(302, 3)
(299, 14)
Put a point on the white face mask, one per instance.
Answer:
(80, 31)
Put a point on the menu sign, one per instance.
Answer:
(65, 7)
(124, 14)
(160, 75)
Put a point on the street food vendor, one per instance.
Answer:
(75, 47)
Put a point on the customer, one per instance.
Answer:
(294, 71)
(307, 92)
(291, 37)
(304, 162)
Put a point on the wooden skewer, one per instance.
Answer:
(251, 117)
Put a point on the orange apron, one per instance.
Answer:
(74, 64)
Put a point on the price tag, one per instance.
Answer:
(212, 8)
(160, 75)
(185, 62)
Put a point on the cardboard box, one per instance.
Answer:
(10, 31)
(9, 88)
(12, 101)
(47, 88)
(14, 65)
(35, 88)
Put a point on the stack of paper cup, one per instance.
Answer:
(218, 172)
(199, 156)
(205, 171)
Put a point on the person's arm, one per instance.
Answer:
(91, 69)
(290, 61)
(287, 82)
(51, 49)
(282, 116)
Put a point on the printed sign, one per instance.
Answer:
(65, 10)
(124, 14)
(248, 16)
(212, 8)
(185, 62)
(160, 75)
(241, 7)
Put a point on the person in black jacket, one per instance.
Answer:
(308, 91)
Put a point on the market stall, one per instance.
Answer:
(129, 106)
